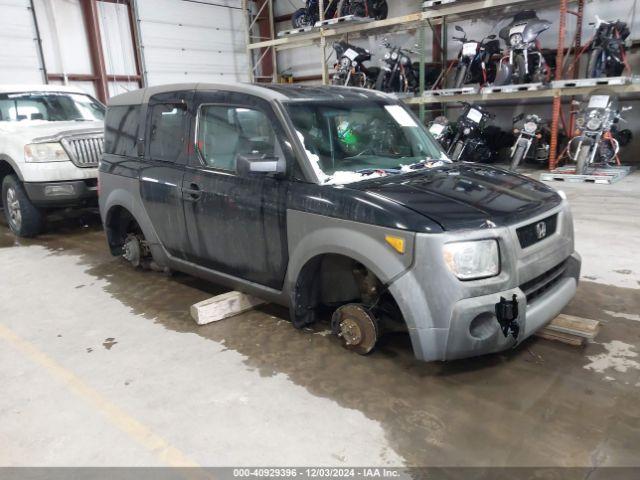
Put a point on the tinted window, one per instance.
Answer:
(49, 107)
(226, 131)
(121, 130)
(167, 131)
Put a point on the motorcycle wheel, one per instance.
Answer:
(299, 18)
(594, 67)
(517, 157)
(461, 75)
(372, 76)
(521, 67)
(381, 82)
(582, 162)
(457, 151)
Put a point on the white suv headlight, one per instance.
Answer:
(473, 260)
(45, 152)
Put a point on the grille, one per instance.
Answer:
(85, 151)
(543, 283)
(528, 235)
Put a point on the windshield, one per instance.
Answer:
(346, 141)
(50, 107)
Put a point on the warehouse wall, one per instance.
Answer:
(185, 41)
(21, 62)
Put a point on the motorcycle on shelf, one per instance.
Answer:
(442, 131)
(398, 73)
(474, 60)
(350, 70)
(376, 9)
(608, 51)
(525, 62)
(310, 13)
(532, 143)
(468, 143)
(597, 138)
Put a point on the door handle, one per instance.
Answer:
(192, 194)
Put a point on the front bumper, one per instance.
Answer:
(450, 319)
(63, 194)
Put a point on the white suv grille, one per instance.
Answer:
(85, 151)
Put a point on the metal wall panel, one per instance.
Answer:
(185, 41)
(19, 56)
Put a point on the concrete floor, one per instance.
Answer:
(101, 364)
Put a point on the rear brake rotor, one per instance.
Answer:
(357, 327)
(132, 251)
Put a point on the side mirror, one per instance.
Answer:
(260, 163)
(491, 37)
(140, 147)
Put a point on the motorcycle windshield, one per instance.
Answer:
(534, 28)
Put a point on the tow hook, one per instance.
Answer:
(507, 313)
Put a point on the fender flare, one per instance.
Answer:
(123, 198)
(12, 164)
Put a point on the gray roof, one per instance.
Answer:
(266, 91)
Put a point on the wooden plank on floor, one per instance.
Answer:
(223, 306)
(570, 329)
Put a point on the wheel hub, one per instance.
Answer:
(357, 327)
(13, 208)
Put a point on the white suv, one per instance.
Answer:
(51, 140)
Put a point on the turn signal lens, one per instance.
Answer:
(396, 242)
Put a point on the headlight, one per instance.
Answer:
(394, 56)
(594, 123)
(387, 56)
(473, 260)
(515, 39)
(530, 127)
(45, 152)
(345, 62)
(466, 131)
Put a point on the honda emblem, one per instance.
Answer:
(541, 230)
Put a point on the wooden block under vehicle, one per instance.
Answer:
(570, 329)
(223, 306)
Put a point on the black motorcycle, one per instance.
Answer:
(525, 62)
(310, 13)
(474, 60)
(377, 9)
(607, 57)
(598, 138)
(469, 143)
(398, 72)
(442, 131)
(532, 142)
(350, 70)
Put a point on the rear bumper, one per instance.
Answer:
(63, 194)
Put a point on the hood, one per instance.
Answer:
(35, 129)
(465, 195)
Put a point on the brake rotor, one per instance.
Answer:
(356, 326)
(132, 251)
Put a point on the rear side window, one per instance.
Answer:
(121, 130)
(226, 131)
(167, 131)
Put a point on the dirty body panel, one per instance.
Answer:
(263, 234)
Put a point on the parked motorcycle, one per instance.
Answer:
(598, 137)
(398, 72)
(525, 62)
(377, 9)
(607, 57)
(350, 70)
(474, 60)
(442, 131)
(469, 144)
(532, 143)
(310, 13)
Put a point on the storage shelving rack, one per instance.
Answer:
(261, 47)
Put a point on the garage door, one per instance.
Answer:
(21, 62)
(192, 41)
